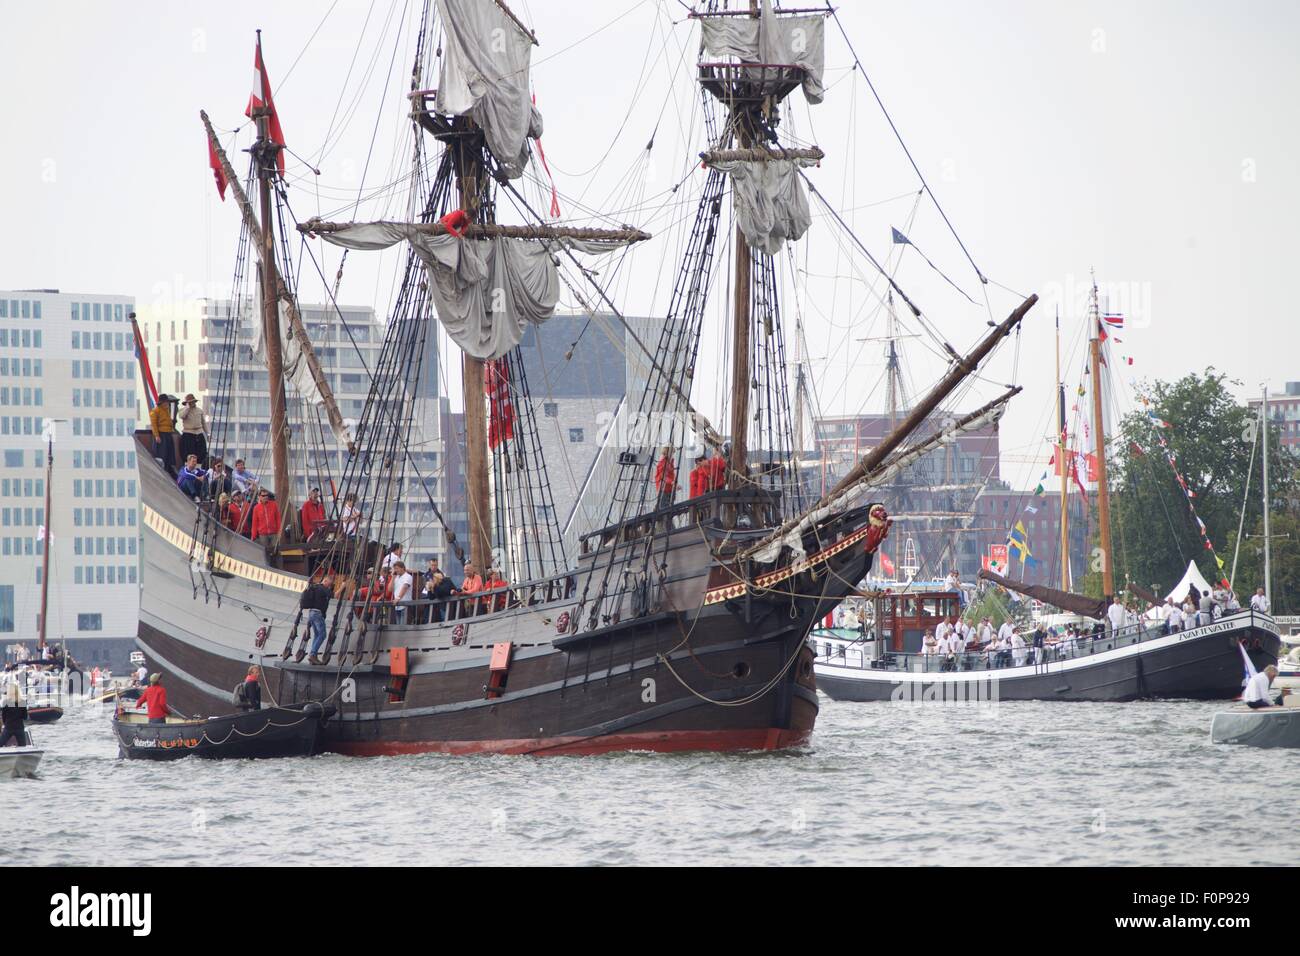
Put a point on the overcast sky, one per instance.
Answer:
(1154, 141)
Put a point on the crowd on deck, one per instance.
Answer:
(393, 593)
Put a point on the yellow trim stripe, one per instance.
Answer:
(763, 581)
(220, 562)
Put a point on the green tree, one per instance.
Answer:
(1154, 533)
(1286, 559)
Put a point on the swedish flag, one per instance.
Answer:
(1018, 541)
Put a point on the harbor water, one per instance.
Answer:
(925, 784)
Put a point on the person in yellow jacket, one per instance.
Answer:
(164, 432)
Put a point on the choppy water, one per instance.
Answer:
(1029, 783)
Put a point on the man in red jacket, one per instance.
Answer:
(311, 514)
(266, 516)
(155, 699)
(666, 478)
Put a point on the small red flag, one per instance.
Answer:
(218, 173)
(261, 97)
(501, 413)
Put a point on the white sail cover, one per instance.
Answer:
(770, 203)
(1193, 577)
(485, 290)
(485, 66)
(793, 41)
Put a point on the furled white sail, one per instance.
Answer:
(789, 41)
(485, 66)
(770, 203)
(486, 291)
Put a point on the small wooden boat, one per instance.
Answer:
(291, 731)
(44, 713)
(1261, 727)
(20, 761)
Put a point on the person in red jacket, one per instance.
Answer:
(155, 700)
(699, 483)
(666, 478)
(266, 516)
(718, 468)
(312, 514)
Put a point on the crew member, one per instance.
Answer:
(13, 716)
(266, 516)
(155, 700)
(666, 478)
(718, 468)
(164, 433)
(248, 695)
(315, 601)
(1258, 693)
(312, 514)
(194, 430)
(699, 477)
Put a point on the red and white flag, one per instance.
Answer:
(217, 172)
(261, 97)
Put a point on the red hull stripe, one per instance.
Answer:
(664, 742)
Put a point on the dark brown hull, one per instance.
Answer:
(732, 672)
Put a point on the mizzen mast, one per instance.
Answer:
(1099, 434)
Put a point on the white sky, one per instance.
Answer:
(1154, 141)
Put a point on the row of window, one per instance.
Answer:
(102, 427)
(101, 340)
(99, 369)
(97, 312)
(22, 487)
(12, 368)
(20, 309)
(20, 396)
(14, 457)
(102, 398)
(20, 517)
(103, 488)
(109, 546)
(104, 574)
(15, 547)
(20, 425)
(103, 459)
(103, 517)
(20, 338)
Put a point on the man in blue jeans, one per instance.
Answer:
(315, 602)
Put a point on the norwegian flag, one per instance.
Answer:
(261, 97)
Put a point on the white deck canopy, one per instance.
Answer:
(1193, 576)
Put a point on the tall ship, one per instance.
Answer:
(680, 622)
(1199, 659)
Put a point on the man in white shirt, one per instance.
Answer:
(1019, 650)
(1115, 615)
(1257, 693)
(1259, 601)
(942, 631)
(986, 631)
(1174, 617)
(403, 591)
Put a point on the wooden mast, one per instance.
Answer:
(1098, 430)
(1060, 460)
(469, 161)
(740, 372)
(49, 538)
(265, 150)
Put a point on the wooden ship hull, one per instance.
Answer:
(730, 671)
(1201, 663)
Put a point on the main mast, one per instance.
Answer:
(1268, 551)
(1060, 461)
(468, 157)
(740, 372)
(49, 538)
(1098, 429)
(265, 151)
